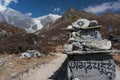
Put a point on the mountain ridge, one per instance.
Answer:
(23, 21)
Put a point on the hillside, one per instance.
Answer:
(10, 29)
(14, 40)
(56, 37)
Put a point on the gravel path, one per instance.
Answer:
(45, 71)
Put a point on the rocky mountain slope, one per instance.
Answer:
(14, 40)
(9, 29)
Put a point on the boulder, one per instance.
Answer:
(30, 53)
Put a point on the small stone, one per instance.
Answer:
(25, 55)
(1, 62)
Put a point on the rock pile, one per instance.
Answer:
(84, 35)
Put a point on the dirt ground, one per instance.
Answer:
(13, 65)
(45, 71)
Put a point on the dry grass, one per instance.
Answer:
(13, 64)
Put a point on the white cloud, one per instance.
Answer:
(5, 3)
(29, 14)
(8, 2)
(57, 9)
(111, 6)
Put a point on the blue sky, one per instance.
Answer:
(37, 8)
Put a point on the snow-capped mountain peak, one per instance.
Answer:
(2, 8)
(23, 21)
(50, 16)
(15, 18)
(41, 21)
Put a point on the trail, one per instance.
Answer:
(45, 71)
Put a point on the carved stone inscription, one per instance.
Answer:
(91, 69)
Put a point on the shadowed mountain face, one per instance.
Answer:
(14, 40)
(56, 37)
(10, 29)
